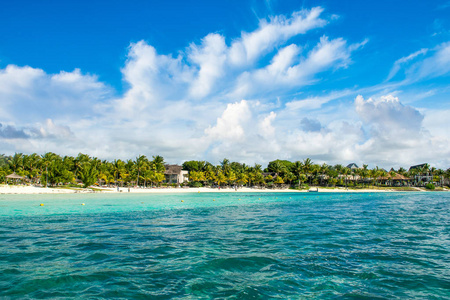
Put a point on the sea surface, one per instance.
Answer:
(225, 246)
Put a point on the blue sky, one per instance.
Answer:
(337, 81)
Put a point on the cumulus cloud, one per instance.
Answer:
(388, 113)
(29, 94)
(11, 132)
(397, 133)
(309, 125)
(210, 58)
(189, 105)
(287, 69)
(230, 126)
(50, 129)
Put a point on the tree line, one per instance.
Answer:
(300, 173)
(51, 169)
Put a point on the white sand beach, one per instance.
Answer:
(24, 189)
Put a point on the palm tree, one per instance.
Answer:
(159, 177)
(220, 178)
(307, 167)
(79, 160)
(31, 163)
(401, 171)
(225, 163)
(322, 170)
(315, 171)
(118, 167)
(231, 177)
(289, 177)
(302, 178)
(158, 163)
(363, 173)
(279, 180)
(346, 171)
(196, 176)
(140, 163)
(242, 178)
(16, 161)
(298, 168)
(88, 174)
(277, 167)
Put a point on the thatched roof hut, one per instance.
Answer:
(14, 176)
(172, 169)
(395, 177)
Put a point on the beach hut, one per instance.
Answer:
(396, 180)
(14, 177)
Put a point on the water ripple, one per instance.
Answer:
(380, 246)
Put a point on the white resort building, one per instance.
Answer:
(175, 174)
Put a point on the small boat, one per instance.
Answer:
(316, 190)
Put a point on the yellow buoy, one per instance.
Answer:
(82, 203)
(259, 198)
(182, 200)
(42, 204)
(214, 199)
(198, 191)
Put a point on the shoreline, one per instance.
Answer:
(24, 190)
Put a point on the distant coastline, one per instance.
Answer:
(24, 189)
(53, 173)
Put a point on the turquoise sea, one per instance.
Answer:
(225, 246)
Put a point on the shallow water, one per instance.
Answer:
(236, 246)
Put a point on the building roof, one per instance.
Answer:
(269, 174)
(416, 167)
(172, 169)
(395, 177)
(14, 176)
(353, 166)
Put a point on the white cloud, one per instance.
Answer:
(316, 102)
(435, 64)
(189, 105)
(50, 129)
(397, 133)
(230, 126)
(388, 114)
(270, 34)
(266, 128)
(210, 57)
(398, 63)
(30, 95)
(288, 70)
(310, 125)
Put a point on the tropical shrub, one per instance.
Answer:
(430, 186)
(195, 184)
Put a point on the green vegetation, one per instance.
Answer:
(430, 186)
(51, 169)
